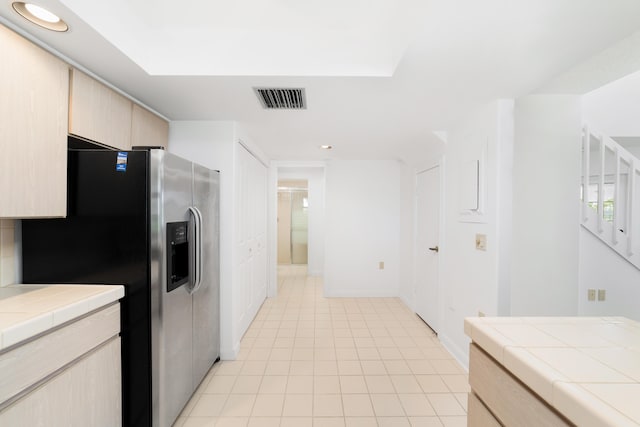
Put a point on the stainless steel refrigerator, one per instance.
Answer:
(148, 220)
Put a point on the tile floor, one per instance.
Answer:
(309, 361)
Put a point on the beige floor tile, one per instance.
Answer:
(247, 384)
(364, 342)
(346, 354)
(281, 354)
(300, 384)
(416, 405)
(296, 422)
(373, 367)
(328, 422)
(277, 367)
(301, 367)
(397, 367)
(309, 360)
(264, 422)
(445, 404)
(260, 353)
(457, 383)
(393, 422)
(447, 367)
(411, 353)
(432, 384)
(425, 422)
(197, 422)
(389, 353)
(353, 384)
(268, 405)
(421, 367)
(327, 405)
(325, 367)
(379, 384)
(273, 384)
(463, 400)
(179, 422)
(298, 405)
(361, 422)
(454, 421)
(221, 384)
(357, 405)
(349, 367)
(232, 422)
(385, 342)
(405, 384)
(327, 353)
(387, 405)
(237, 405)
(326, 384)
(208, 405)
(253, 367)
(230, 367)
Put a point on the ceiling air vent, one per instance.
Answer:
(281, 98)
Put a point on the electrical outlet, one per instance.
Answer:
(481, 314)
(481, 242)
(591, 294)
(381, 265)
(602, 294)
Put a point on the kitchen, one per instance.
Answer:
(386, 283)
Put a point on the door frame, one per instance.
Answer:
(441, 164)
(272, 204)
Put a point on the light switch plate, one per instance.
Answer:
(591, 294)
(381, 265)
(481, 242)
(602, 294)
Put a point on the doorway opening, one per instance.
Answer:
(293, 222)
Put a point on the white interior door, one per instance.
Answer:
(427, 241)
(251, 231)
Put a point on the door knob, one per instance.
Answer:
(435, 249)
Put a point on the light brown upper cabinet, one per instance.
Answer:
(34, 87)
(98, 113)
(147, 129)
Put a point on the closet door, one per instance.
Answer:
(251, 231)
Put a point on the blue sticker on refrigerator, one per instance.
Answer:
(121, 162)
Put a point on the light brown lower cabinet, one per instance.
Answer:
(69, 377)
(498, 398)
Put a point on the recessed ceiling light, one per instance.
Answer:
(40, 16)
(326, 147)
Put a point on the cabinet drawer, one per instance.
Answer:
(478, 415)
(25, 365)
(512, 403)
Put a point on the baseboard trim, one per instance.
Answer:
(461, 356)
(230, 354)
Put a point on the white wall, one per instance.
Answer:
(363, 213)
(470, 279)
(316, 237)
(614, 109)
(211, 144)
(546, 180)
(603, 268)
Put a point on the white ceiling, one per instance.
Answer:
(381, 75)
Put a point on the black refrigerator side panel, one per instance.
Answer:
(104, 240)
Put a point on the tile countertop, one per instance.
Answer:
(587, 368)
(28, 310)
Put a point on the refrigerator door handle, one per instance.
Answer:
(197, 250)
(198, 271)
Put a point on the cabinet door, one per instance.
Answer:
(33, 133)
(98, 113)
(88, 393)
(147, 129)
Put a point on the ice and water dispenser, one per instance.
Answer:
(177, 254)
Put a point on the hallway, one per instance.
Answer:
(309, 361)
